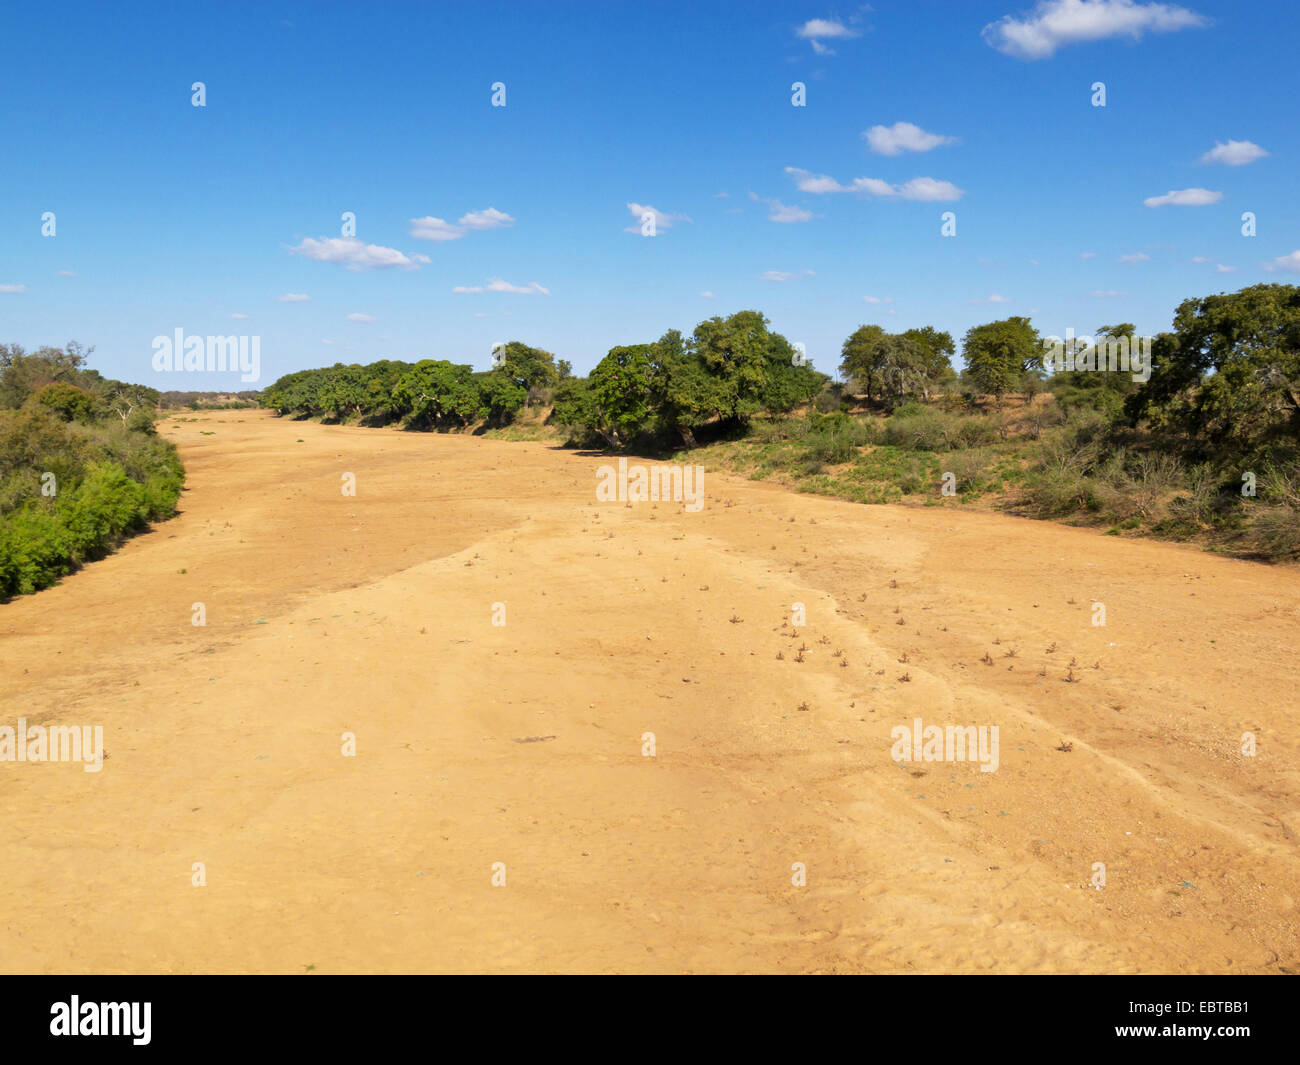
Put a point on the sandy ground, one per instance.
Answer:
(523, 743)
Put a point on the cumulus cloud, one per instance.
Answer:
(489, 219)
(363, 319)
(13, 289)
(781, 275)
(817, 30)
(238, 317)
(921, 188)
(903, 137)
(709, 295)
(1135, 257)
(295, 297)
(431, 228)
(1234, 153)
(1184, 198)
(1224, 269)
(354, 254)
(496, 284)
(67, 273)
(1087, 255)
(663, 219)
(1289, 263)
(877, 299)
(780, 212)
(1109, 293)
(995, 298)
(1056, 23)
(1200, 259)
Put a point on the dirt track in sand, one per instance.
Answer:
(373, 615)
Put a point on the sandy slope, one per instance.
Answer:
(372, 615)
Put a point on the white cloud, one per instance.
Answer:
(1056, 23)
(1135, 257)
(709, 295)
(1087, 255)
(929, 190)
(495, 284)
(995, 298)
(67, 273)
(430, 228)
(327, 341)
(363, 319)
(903, 137)
(1184, 198)
(1199, 259)
(13, 289)
(238, 317)
(489, 219)
(781, 275)
(1225, 269)
(819, 29)
(877, 299)
(354, 254)
(1234, 153)
(922, 188)
(1110, 292)
(663, 219)
(295, 297)
(780, 212)
(815, 183)
(1290, 263)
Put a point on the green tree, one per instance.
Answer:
(861, 357)
(69, 402)
(998, 353)
(439, 393)
(621, 394)
(937, 351)
(1228, 377)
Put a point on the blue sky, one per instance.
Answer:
(173, 216)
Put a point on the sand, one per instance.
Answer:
(524, 744)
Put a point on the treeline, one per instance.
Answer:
(429, 394)
(1197, 436)
(727, 371)
(172, 399)
(80, 465)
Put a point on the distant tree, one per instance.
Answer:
(621, 394)
(734, 353)
(69, 402)
(861, 357)
(937, 350)
(501, 397)
(123, 400)
(1228, 377)
(998, 353)
(573, 409)
(527, 367)
(439, 393)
